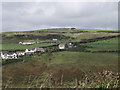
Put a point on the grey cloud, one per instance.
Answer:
(28, 16)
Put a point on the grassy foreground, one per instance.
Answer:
(63, 69)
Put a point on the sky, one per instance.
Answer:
(25, 16)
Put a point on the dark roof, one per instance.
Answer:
(31, 49)
(8, 53)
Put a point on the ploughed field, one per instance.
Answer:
(89, 65)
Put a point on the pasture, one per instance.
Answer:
(23, 47)
(104, 45)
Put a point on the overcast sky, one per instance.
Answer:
(21, 16)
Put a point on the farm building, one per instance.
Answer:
(40, 49)
(62, 46)
(27, 43)
(30, 51)
(8, 55)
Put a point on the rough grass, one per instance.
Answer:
(89, 35)
(47, 70)
(85, 61)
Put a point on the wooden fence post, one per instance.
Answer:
(61, 82)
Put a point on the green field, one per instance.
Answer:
(23, 47)
(105, 45)
(10, 40)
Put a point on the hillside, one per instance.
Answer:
(76, 35)
(91, 63)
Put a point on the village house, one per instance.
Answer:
(30, 51)
(27, 43)
(20, 53)
(40, 49)
(9, 55)
(55, 39)
(69, 45)
(62, 46)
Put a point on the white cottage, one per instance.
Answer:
(55, 39)
(70, 45)
(61, 46)
(30, 51)
(8, 55)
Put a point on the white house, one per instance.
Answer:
(27, 43)
(20, 53)
(61, 46)
(8, 55)
(30, 51)
(55, 39)
(70, 45)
